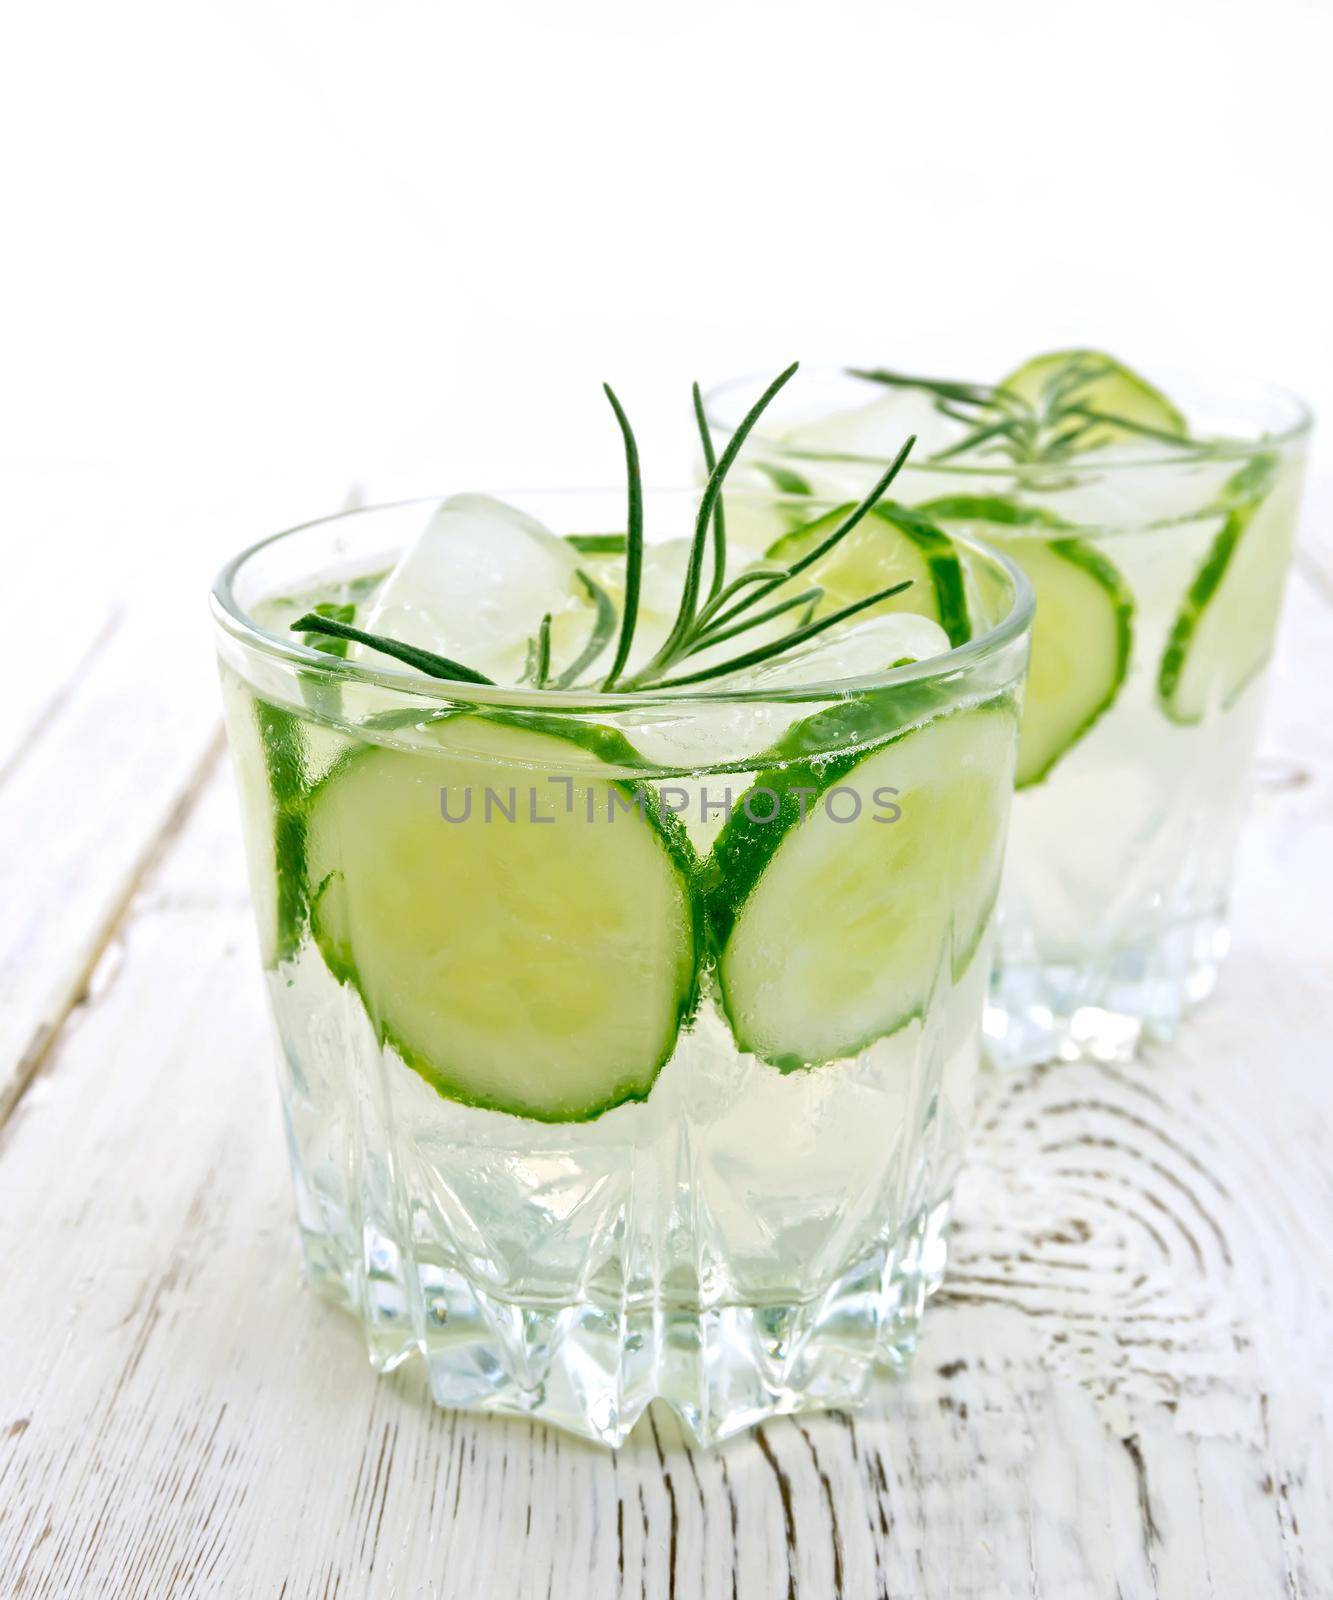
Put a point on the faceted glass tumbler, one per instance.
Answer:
(1113, 919)
(712, 1164)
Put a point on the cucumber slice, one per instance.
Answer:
(892, 543)
(266, 753)
(1082, 632)
(521, 957)
(1103, 384)
(1222, 635)
(832, 934)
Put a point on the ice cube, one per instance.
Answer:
(728, 734)
(1119, 486)
(660, 582)
(758, 515)
(869, 433)
(855, 651)
(475, 585)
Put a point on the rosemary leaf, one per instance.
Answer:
(784, 479)
(876, 494)
(597, 544)
(1112, 420)
(948, 408)
(719, 516)
(543, 665)
(529, 673)
(629, 615)
(744, 580)
(599, 636)
(1063, 443)
(423, 660)
(790, 641)
(710, 637)
(1005, 427)
(979, 394)
(339, 612)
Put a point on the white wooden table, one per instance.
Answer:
(1124, 1389)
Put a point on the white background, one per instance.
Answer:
(259, 250)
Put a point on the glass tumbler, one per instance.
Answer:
(625, 1042)
(1158, 569)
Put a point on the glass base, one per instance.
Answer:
(593, 1369)
(1102, 1009)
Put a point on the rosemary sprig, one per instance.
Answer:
(690, 632)
(728, 610)
(1057, 424)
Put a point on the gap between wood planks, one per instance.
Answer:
(48, 1032)
(90, 797)
(102, 760)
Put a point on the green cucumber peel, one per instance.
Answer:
(992, 508)
(1081, 554)
(1241, 497)
(280, 738)
(935, 547)
(946, 570)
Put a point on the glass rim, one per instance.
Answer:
(233, 619)
(1297, 427)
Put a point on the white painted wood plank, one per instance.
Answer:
(1124, 1387)
(84, 800)
(108, 711)
(63, 541)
